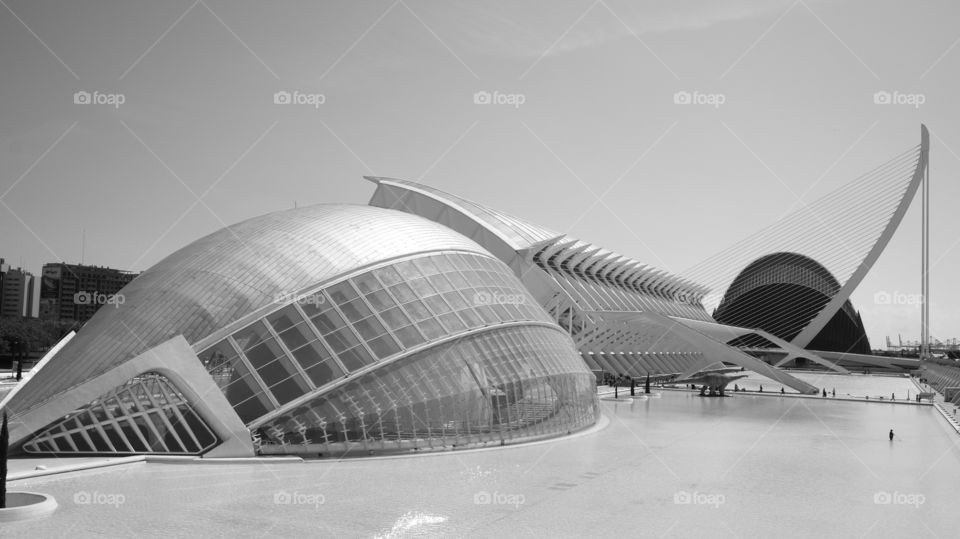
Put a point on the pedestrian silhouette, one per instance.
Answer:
(891, 435)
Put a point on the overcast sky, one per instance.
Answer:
(186, 137)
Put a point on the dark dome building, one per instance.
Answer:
(783, 292)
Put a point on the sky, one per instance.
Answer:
(186, 129)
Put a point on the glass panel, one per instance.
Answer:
(457, 280)
(277, 371)
(328, 321)
(341, 340)
(284, 319)
(355, 310)
(455, 300)
(395, 318)
(459, 262)
(407, 269)
(422, 287)
(487, 314)
(403, 292)
(355, 358)
(298, 336)
(388, 275)
(341, 292)
(426, 265)
(318, 302)
(452, 322)
(251, 336)
(369, 328)
(443, 263)
(409, 336)
(380, 300)
(384, 346)
(289, 389)
(471, 318)
(440, 283)
(417, 310)
(217, 356)
(437, 305)
(324, 372)
(263, 353)
(311, 354)
(367, 283)
(431, 328)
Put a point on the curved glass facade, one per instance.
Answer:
(503, 384)
(326, 334)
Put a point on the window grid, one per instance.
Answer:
(369, 317)
(253, 374)
(149, 406)
(529, 384)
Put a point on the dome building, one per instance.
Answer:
(782, 293)
(318, 330)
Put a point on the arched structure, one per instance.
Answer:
(324, 329)
(626, 317)
(782, 293)
(845, 231)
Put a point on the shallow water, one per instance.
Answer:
(749, 466)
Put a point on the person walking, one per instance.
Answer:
(891, 435)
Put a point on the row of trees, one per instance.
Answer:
(22, 337)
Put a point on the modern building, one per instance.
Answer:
(419, 321)
(74, 292)
(626, 318)
(16, 291)
(782, 293)
(320, 330)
